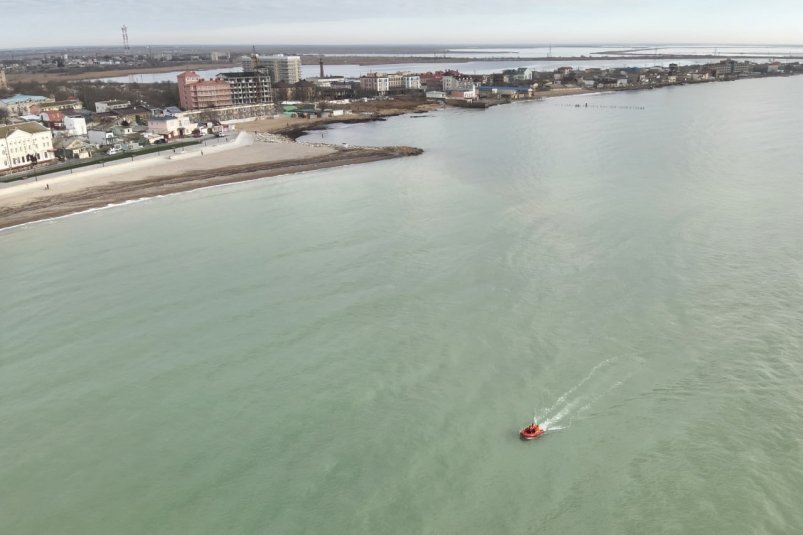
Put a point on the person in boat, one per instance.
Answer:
(533, 428)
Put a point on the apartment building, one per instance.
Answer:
(252, 87)
(375, 83)
(731, 67)
(411, 81)
(195, 93)
(382, 83)
(457, 83)
(281, 68)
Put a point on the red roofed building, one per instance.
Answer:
(53, 119)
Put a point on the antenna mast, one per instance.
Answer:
(125, 38)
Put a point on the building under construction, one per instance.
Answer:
(248, 87)
(229, 89)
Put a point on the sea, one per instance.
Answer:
(354, 350)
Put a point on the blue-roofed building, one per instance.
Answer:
(21, 104)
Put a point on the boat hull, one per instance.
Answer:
(525, 435)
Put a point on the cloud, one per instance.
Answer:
(98, 22)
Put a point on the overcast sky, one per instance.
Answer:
(33, 23)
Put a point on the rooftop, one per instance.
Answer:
(18, 98)
(247, 74)
(31, 128)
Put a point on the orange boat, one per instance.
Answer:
(530, 432)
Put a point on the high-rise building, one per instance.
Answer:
(3, 82)
(195, 93)
(281, 68)
(248, 87)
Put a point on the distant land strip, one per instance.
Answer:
(364, 61)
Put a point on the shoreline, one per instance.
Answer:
(138, 183)
(119, 192)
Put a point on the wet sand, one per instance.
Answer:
(241, 160)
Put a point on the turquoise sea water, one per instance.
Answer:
(353, 350)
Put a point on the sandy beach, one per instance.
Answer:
(245, 158)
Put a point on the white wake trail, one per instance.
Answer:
(554, 416)
(584, 380)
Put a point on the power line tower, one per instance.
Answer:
(125, 38)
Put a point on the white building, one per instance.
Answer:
(381, 83)
(395, 81)
(20, 142)
(411, 81)
(106, 105)
(375, 83)
(101, 138)
(170, 125)
(328, 82)
(464, 94)
(120, 131)
(75, 125)
(3, 82)
(453, 83)
(280, 67)
(436, 95)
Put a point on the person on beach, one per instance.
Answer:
(47, 186)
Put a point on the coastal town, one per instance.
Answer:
(66, 122)
(356, 267)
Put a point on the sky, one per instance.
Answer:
(268, 22)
